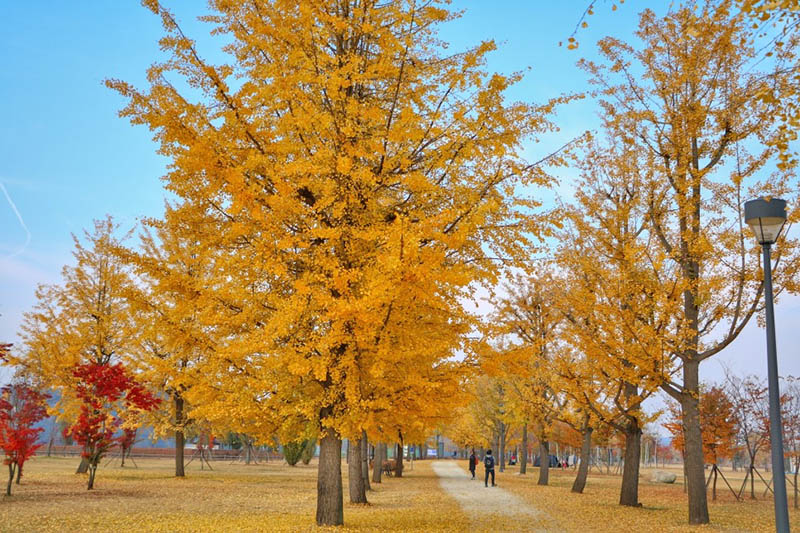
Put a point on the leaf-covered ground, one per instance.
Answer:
(275, 497)
(233, 497)
(664, 507)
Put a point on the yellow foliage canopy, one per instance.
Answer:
(356, 178)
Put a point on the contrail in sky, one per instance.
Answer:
(21, 223)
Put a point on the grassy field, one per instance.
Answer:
(275, 497)
(233, 497)
(663, 506)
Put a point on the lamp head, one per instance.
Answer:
(766, 218)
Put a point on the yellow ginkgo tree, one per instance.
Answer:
(363, 178)
(525, 325)
(609, 318)
(707, 116)
(171, 342)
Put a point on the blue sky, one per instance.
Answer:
(66, 158)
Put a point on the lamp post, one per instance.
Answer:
(766, 218)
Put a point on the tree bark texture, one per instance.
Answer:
(377, 464)
(83, 467)
(180, 441)
(714, 484)
(330, 507)
(502, 449)
(583, 469)
(365, 460)
(695, 472)
(544, 462)
(523, 457)
(629, 491)
(10, 478)
(398, 470)
(355, 477)
(92, 473)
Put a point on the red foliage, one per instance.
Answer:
(717, 420)
(106, 392)
(127, 438)
(666, 453)
(21, 407)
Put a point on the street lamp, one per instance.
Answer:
(766, 218)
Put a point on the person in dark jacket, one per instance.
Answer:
(473, 462)
(488, 464)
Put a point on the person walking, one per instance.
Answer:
(473, 462)
(488, 464)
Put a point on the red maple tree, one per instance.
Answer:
(106, 392)
(21, 407)
(126, 441)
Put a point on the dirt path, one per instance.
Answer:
(489, 509)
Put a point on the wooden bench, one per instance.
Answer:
(388, 466)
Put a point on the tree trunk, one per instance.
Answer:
(19, 473)
(83, 467)
(10, 478)
(583, 470)
(629, 492)
(50, 445)
(180, 444)
(684, 471)
(695, 472)
(377, 464)
(714, 485)
(502, 449)
(248, 453)
(365, 460)
(92, 472)
(355, 479)
(398, 470)
(544, 462)
(752, 478)
(330, 507)
(180, 440)
(122, 464)
(523, 457)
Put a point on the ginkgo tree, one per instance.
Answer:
(525, 325)
(85, 319)
(692, 98)
(608, 318)
(171, 340)
(363, 177)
